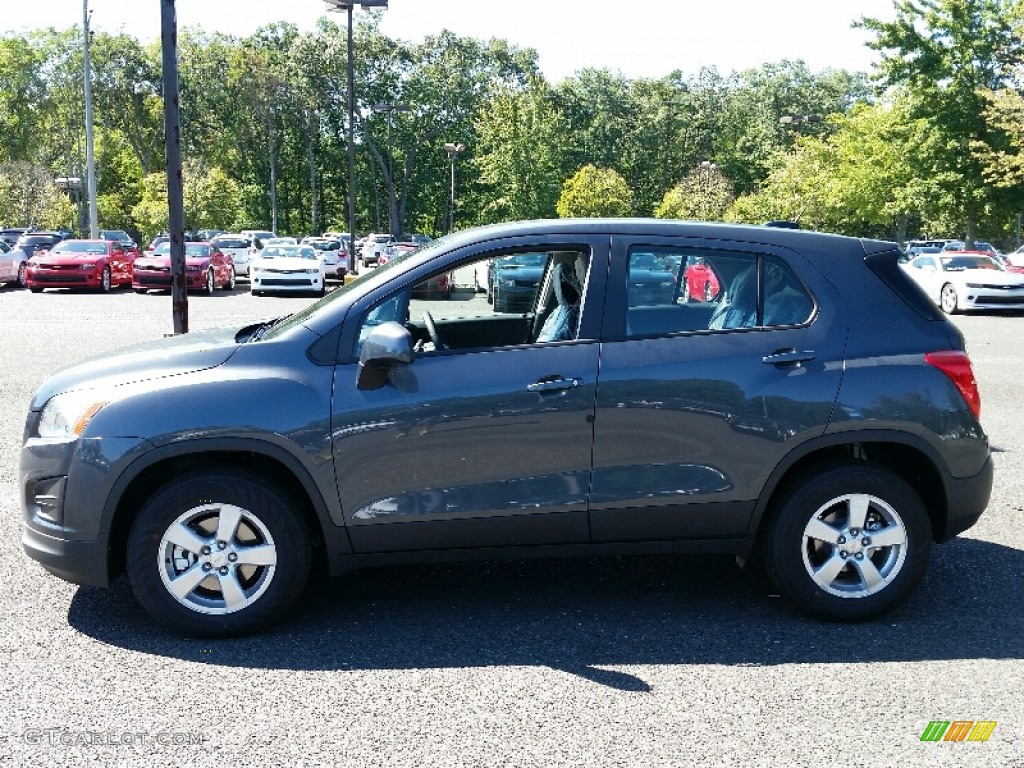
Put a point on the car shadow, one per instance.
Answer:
(581, 616)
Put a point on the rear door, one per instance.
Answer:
(698, 402)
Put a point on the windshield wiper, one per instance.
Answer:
(261, 330)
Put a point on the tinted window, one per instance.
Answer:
(230, 242)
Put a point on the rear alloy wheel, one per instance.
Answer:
(948, 299)
(218, 553)
(210, 285)
(22, 275)
(849, 542)
(105, 280)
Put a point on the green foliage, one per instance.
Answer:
(594, 192)
(705, 194)
(28, 197)
(211, 199)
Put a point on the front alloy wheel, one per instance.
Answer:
(105, 280)
(849, 542)
(215, 554)
(22, 276)
(209, 285)
(948, 299)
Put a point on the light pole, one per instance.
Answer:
(90, 162)
(390, 110)
(342, 5)
(453, 152)
(73, 186)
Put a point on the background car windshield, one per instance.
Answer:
(71, 246)
(191, 249)
(525, 260)
(959, 263)
(294, 252)
(230, 242)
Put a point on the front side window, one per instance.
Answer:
(504, 299)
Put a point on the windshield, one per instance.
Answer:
(80, 246)
(191, 249)
(290, 252)
(959, 263)
(524, 260)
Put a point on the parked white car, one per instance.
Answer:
(373, 247)
(965, 280)
(331, 253)
(287, 269)
(239, 248)
(12, 264)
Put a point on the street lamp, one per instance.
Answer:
(341, 5)
(453, 152)
(390, 110)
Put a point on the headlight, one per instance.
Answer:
(68, 414)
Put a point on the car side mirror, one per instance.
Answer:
(385, 346)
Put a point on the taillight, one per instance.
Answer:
(957, 365)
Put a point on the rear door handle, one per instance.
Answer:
(553, 384)
(788, 357)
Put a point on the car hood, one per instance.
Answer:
(165, 261)
(49, 257)
(286, 263)
(173, 356)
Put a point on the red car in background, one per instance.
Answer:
(700, 282)
(100, 264)
(438, 287)
(206, 269)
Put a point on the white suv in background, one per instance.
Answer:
(238, 247)
(331, 253)
(373, 247)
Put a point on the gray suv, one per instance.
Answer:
(817, 410)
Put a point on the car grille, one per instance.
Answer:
(67, 278)
(279, 281)
(153, 279)
(1006, 300)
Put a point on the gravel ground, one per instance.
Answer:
(631, 661)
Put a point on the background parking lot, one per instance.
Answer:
(629, 661)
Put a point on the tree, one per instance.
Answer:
(704, 195)
(211, 198)
(520, 152)
(28, 196)
(941, 55)
(594, 192)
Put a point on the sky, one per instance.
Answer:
(644, 38)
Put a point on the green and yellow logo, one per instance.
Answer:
(958, 730)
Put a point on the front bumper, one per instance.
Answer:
(80, 562)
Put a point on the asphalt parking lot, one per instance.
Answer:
(621, 662)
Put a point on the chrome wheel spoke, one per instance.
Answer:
(892, 536)
(184, 537)
(822, 531)
(182, 586)
(827, 573)
(234, 597)
(264, 554)
(868, 572)
(227, 524)
(857, 506)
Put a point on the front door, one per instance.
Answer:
(484, 444)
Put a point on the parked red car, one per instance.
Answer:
(701, 282)
(206, 269)
(100, 264)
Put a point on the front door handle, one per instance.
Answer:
(788, 357)
(553, 384)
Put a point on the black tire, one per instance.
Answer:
(686, 290)
(271, 526)
(141, 290)
(232, 281)
(707, 293)
(22, 275)
(799, 541)
(211, 283)
(36, 288)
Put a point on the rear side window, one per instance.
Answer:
(678, 291)
(886, 265)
